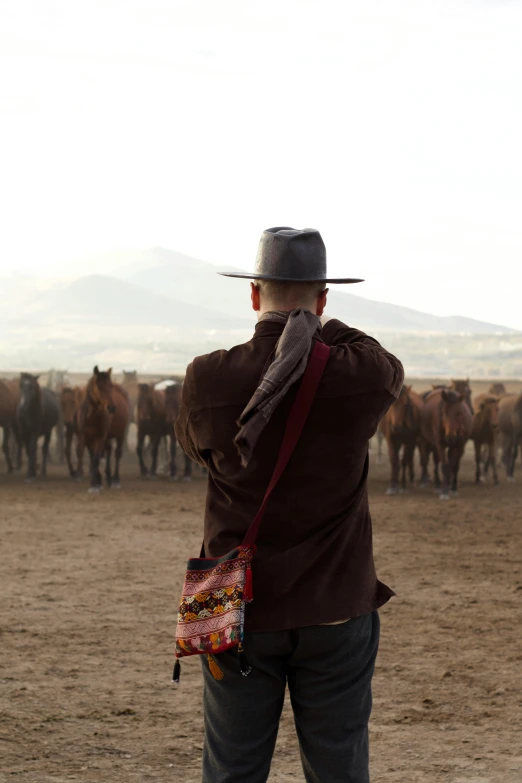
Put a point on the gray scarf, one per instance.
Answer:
(291, 357)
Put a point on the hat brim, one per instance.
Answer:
(254, 276)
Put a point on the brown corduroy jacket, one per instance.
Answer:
(314, 562)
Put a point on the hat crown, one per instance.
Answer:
(287, 253)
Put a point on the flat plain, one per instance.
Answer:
(89, 587)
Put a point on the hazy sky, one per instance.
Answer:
(393, 127)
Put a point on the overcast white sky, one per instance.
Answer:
(393, 127)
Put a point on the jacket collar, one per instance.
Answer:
(268, 329)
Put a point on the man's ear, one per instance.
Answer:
(255, 298)
(321, 302)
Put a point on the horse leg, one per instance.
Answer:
(68, 450)
(393, 453)
(117, 458)
(31, 444)
(155, 443)
(380, 439)
(187, 472)
(436, 474)
(108, 454)
(407, 464)
(442, 456)
(45, 452)
(424, 459)
(478, 460)
(139, 451)
(172, 455)
(5, 447)
(60, 439)
(492, 459)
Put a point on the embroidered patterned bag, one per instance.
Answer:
(216, 590)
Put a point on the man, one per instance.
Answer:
(313, 624)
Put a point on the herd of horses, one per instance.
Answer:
(440, 422)
(93, 418)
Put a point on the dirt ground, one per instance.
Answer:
(89, 587)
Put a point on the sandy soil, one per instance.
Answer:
(89, 587)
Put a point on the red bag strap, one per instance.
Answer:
(294, 427)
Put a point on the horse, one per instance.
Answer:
(152, 423)
(172, 406)
(37, 414)
(71, 400)
(8, 404)
(131, 385)
(462, 387)
(446, 424)
(56, 381)
(400, 427)
(484, 433)
(104, 415)
(510, 425)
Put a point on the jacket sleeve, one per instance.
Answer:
(366, 359)
(184, 429)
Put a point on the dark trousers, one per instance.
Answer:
(328, 670)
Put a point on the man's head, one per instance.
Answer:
(270, 295)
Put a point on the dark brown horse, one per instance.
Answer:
(400, 427)
(9, 396)
(172, 405)
(104, 417)
(71, 400)
(446, 424)
(37, 414)
(510, 425)
(484, 434)
(152, 424)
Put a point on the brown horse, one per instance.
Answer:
(104, 416)
(9, 396)
(463, 388)
(172, 405)
(400, 427)
(37, 414)
(510, 425)
(484, 433)
(446, 424)
(71, 401)
(152, 423)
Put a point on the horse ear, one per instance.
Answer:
(408, 388)
(96, 370)
(445, 395)
(109, 371)
(434, 386)
(36, 377)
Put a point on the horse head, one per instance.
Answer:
(402, 414)
(454, 416)
(489, 412)
(462, 387)
(130, 376)
(99, 390)
(497, 389)
(29, 391)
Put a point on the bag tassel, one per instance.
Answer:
(215, 670)
(177, 673)
(243, 662)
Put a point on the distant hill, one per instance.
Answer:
(167, 273)
(100, 299)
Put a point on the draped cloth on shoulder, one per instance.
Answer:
(290, 360)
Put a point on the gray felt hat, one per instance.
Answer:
(292, 255)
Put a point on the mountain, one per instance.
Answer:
(167, 273)
(100, 299)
